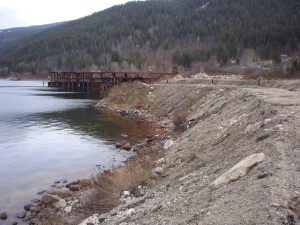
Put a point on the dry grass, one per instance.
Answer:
(109, 185)
(128, 95)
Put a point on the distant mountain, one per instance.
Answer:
(12, 38)
(161, 35)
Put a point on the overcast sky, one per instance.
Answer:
(22, 13)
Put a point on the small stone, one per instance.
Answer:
(158, 170)
(118, 145)
(3, 216)
(68, 209)
(126, 194)
(127, 146)
(41, 202)
(262, 175)
(65, 181)
(27, 207)
(291, 219)
(168, 144)
(71, 183)
(27, 218)
(101, 220)
(41, 192)
(34, 221)
(50, 199)
(35, 200)
(35, 209)
(84, 183)
(21, 214)
(75, 187)
(57, 182)
(60, 204)
(63, 192)
(130, 212)
(157, 208)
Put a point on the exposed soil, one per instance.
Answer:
(227, 122)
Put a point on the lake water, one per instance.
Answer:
(48, 136)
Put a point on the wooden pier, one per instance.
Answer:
(98, 81)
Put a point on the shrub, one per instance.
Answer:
(128, 95)
(179, 120)
(107, 186)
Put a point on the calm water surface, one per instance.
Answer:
(46, 136)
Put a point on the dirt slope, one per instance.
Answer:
(227, 123)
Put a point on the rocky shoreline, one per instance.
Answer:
(235, 161)
(67, 201)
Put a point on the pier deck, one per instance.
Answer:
(98, 81)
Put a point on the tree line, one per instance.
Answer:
(184, 31)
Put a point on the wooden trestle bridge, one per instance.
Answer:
(98, 81)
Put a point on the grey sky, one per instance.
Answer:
(20, 13)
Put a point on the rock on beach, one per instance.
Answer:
(127, 146)
(3, 216)
(62, 193)
(28, 206)
(118, 145)
(21, 214)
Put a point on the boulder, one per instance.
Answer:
(127, 146)
(3, 216)
(238, 171)
(62, 193)
(50, 199)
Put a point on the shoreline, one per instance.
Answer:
(224, 126)
(82, 186)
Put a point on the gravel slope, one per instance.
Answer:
(227, 123)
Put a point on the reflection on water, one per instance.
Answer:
(46, 136)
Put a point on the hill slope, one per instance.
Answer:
(13, 38)
(228, 124)
(161, 33)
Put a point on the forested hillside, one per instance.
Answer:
(162, 34)
(15, 37)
